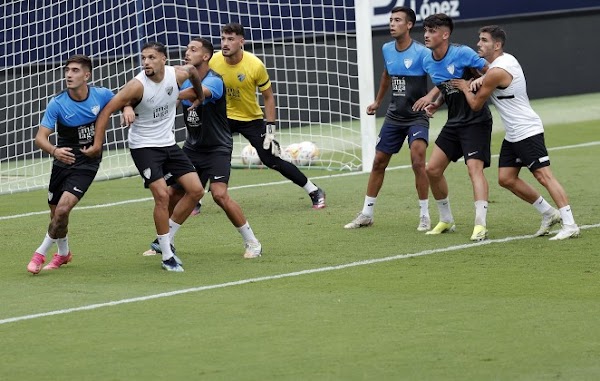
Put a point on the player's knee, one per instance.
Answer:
(433, 171)
(61, 212)
(269, 160)
(196, 192)
(506, 182)
(220, 197)
(418, 165)
(543, 177)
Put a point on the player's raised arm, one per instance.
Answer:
(130, 94)
(190, 72)
(491, 81)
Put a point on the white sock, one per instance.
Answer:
(542, 206)
(444, 209)
(309, 187)
(165, 246)
(424, 205)
(481, 207)
(369, 206)
(63, 246)
(46, 245)
(567, 215)
(247, 233)
(173, 227)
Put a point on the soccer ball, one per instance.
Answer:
(250, 156)
(308, 153)
(290, 153)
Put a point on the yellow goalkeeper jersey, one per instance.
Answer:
(241, 81)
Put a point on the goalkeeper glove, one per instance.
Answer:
(270, 142)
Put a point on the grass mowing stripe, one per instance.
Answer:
(275, 277)
(589, 144)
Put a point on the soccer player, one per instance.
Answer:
(71, 114)
(403, 70)
(523, 145)
(153, 94)
(209, 142)
(243, 73)
(466, 134)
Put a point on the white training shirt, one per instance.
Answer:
(512, 103)
(155, 115)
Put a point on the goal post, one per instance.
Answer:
(318, 54)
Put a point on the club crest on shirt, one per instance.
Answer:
(169, 90)
(96, 110)
(450, 68)
(408, 62)
(241, 77)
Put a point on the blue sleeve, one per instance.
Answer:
(107, 95)
(473, 58)
(50, 115)
(215, 85)
(186, 85)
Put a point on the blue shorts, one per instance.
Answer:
(391, 138)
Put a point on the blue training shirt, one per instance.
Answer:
(207, 126)
(74, 122)
(456, 64)
(408, 82)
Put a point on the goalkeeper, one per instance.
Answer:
(242, 73)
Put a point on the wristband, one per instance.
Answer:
(54, 150)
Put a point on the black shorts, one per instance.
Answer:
(154, 163)
(471, 141)
(72, 180)
(530, 153)
(213, 166)
(253, 130)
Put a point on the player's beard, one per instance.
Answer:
(149, 74)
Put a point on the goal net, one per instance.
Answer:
(317, 56)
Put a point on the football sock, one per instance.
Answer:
(247, 233)
(542, 206)
(173, 227)
(567, 215)
(63, 246)
(424, 206)
(481, 207)
(46, 245)
(309, 187)
(444, 209)
(165, 246)
(369, 206)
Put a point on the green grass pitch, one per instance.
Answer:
(323, 303)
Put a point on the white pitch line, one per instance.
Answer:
(589, 144)
(272, 277)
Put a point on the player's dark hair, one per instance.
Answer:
(410, 14)
(158, 46)
(498, 34)
(235, 28)
(206, 44)
(439, 20)
(81, 59)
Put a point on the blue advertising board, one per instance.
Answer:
(31, 34)
(477, 9)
